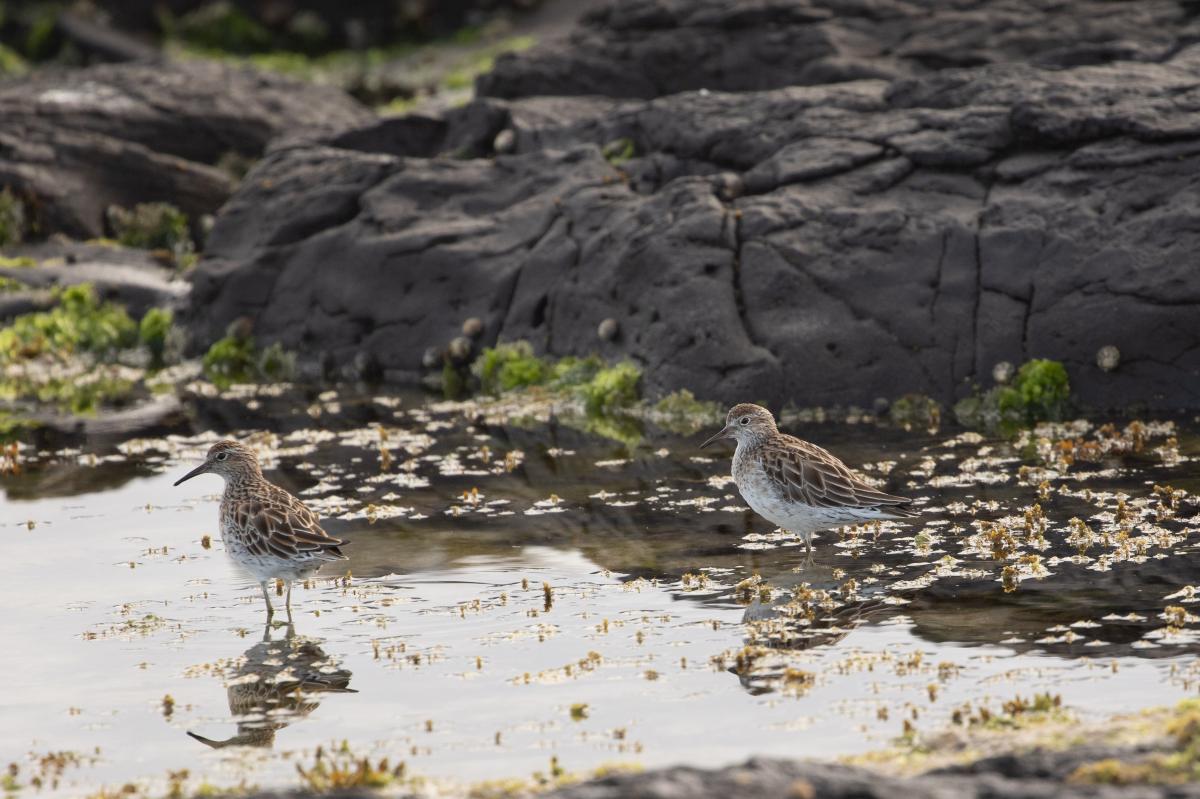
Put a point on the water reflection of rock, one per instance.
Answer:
(71, 479)
(278, 682)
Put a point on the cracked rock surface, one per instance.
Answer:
(818, 242)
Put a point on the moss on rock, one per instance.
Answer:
(153, 226)
(1040, 392)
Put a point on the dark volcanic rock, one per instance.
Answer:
(649, 48)
(74, 142)
(766, 778)
(826, 244)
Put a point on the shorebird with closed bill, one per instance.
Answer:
(799, 486)
(266, 530)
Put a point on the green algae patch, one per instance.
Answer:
(153, 331)
(11, 62)
(463, 76)
(916, 411)
(78, 356)
(79, 323)
(8, 285)
(680, 412)
(342, 770)
(235, 359)
(1179, 764)
(602, 388)
(618, 151)
(1040, 392)
(221, 25)
(76, 393)
(506, 367)
(683, 403)
(394, 78)
(153, 226)
(230, 360)
(14, 221)
(612, 388)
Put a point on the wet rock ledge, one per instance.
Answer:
(851, 200)
(1030, 777)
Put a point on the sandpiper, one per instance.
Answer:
(799, 486)
(266, 530)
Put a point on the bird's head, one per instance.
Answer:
(231, 460)
(746, 423)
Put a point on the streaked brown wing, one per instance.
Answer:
(288, 529)
(812, 475)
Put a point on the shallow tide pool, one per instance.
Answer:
(527, 591)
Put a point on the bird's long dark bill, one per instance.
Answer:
(201, 469)
(723, 434)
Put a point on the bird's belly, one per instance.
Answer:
(769, 502)
(264, 566)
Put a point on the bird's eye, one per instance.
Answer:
(222, 456)
(745, 420)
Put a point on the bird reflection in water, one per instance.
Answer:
(773, 628)
(278, 682)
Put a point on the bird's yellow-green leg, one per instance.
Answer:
(267, 597)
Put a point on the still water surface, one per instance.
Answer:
(547, 613)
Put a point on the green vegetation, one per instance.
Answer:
(342, 770)
(1169, 768)
(40, 38)
(603, 389)
(13, 220)
(11, 62)
(463, 76)
(154, 226)
(66, 356)
(619, 151)
(74, 392)
(79, 323)
(1041, 391)
(219, 25)
(230, 360)
(509, 366)
(684, 403)
(612, 388)
(153, 330)
(235, 359)
(916, 411)
(20, 262)
(1015, 713)
(392, 77)
(680, 412)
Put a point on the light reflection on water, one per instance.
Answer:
(455, 666)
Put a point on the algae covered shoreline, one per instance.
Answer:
(497, 547)
(473, 280)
